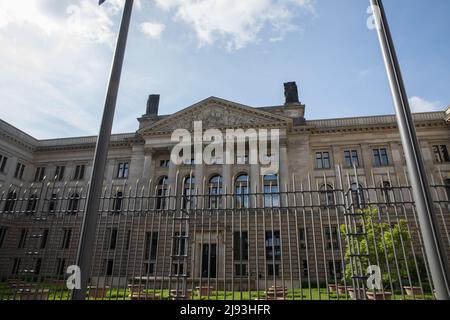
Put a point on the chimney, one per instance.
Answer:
(152, 105)
(291, 93)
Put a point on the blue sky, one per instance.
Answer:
(56, 56)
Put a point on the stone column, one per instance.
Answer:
(147, 172)
(255, 183)
(199, 176)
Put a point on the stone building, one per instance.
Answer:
(319, 156)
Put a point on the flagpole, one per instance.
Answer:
(88, 229)
(428, 221)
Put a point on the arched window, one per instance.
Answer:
(447, 188)
(74, 201)
(241, 188)
(162, 193)
(357, 192)
(387, 192)
(215, 192)
(188, 193)
(10, 202)
(271, 191)
(326, 195)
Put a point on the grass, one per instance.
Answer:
(56, 293)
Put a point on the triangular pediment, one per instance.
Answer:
(218, 114)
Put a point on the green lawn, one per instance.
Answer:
(56, 293)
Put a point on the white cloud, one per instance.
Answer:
(236, 22)
(152, 29)
(418, 104)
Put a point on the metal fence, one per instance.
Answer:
(326, 238)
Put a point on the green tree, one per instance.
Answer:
(382, 240)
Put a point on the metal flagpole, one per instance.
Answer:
(429, 225)
(88, 229)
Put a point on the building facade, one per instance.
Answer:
(227, 225)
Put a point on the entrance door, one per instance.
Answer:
(209, 258)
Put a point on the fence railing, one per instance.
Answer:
(334, 237)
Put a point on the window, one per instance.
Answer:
(335, 270)
(3, 231)
(380, 157)
(162, 194)
(111, 238)
(188, 192)
(37, 266)
(22, 239)
(60, 266)
(53, 203)
(240, 245)
(79, 172)
(387, 192)
(271, 191)
(305, 268)
(332, 237)
(44, 238)
(351, 158)
(273, 245)
(357, 193)
(73, 205)
(302, 238)
(10, 202)
(117, 203)
(447, 188)
(241, 191)
(323, 160)
(128, 240)
(326, 195)
(16, 266)
(59, 173)
(108, 267)
(20, 169)
(151, 245)
(32, 204)
(215, 192)
(122, 170)
(40, 174)
(441, 153)
(164, 163)
(179, 250)
(3, 161)
(67, 235)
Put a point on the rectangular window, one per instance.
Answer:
(37, 266)
(273, 269)
(335, 270)
(16, 266)
(79, 172)
(331, 237)
(3, 161)
(53, 203)
(40, 174)
(117, 203)
(112, 238)
(20, 169)
(44, 238)
(108, 267)
(441, 154)
(151, 245)
(164, 163)
(380, 157)
(351, 158)
(123, 169)
(59, 173)
(302, 238)
(128, 240)
(60, 266)
(240, 244)
(23, 238)
(3, 231)
(323, 160)
(305, 268)
(273, 245)
(240, 269)
(67, 235)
